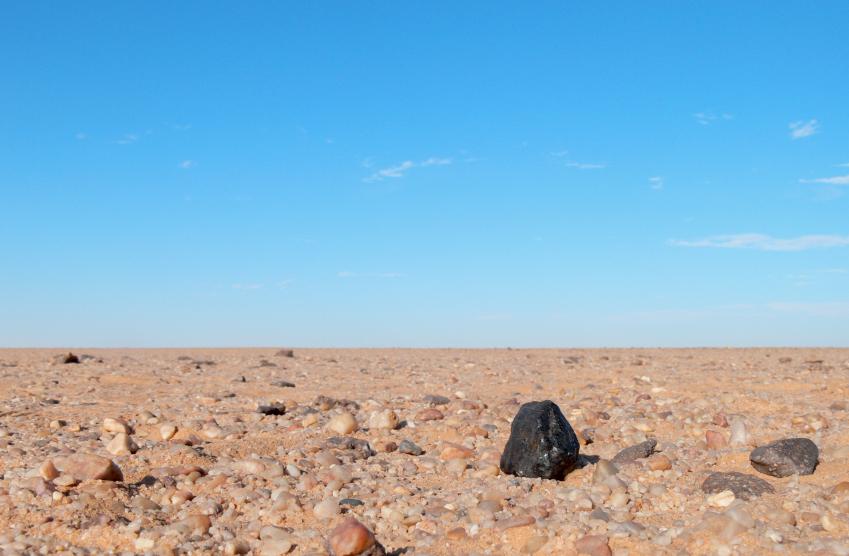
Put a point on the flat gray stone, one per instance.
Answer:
(742, 485)
(635, 452)
(783, 458)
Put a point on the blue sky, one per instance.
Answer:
(424, 174)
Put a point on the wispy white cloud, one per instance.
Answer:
(182, 127)
(844, 165)
(574, 164)
(349, 274)
(283, 284)
(186, 164)
(128, 139)
(247, 286)
(707, 118)
(434, 161)
(833, 180)
(81, 136)
(584, 165)
(801, 129)
(763, 242)
(399, 170)
(656, 182)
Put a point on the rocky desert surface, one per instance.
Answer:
(346, 452)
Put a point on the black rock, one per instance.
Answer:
(283, 384)
(742, 485)
(409, 447)
(67, 359)
(782, 458)
(276, 408)
(350, 502)
(541, 444)
(635, 452)
(285, 353)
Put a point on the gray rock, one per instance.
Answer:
(541, 444)
(633, 453)
(434, 399)
(742, 485)
(782, 458)
(409, 447)
(275, 408)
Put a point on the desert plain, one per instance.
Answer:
(271, 452)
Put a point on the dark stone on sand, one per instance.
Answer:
(272, 409)
(635, 452)
(782, 458)
(742, 485)
(285, 353)
(434, 399)
(67, 359)
(409, 447)
(541, 444)
(283, 384)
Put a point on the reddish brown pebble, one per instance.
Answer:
(85, 467)
(456, 534)
(455, 451)
(840, 487)
(715, 440)
(593, 545)
(351, 538)
(659, 462)
(429, 414)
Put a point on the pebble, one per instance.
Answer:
(115, 426)
(352, 538)
(743, 486)
(385, 419)
(429, 414)
(451, 451)
(721, 499)
(167, 431)
(659, 462)
(715, 440)
(593, 545)
(344, 423)
(275, 408)
(434, 399)
(122, 445)
(633, 453)
(409, 447)
(84, 467)
(739, 435)
(782, 458)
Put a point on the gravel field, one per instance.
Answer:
(399, 451)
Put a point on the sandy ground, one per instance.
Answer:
(251, 483)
